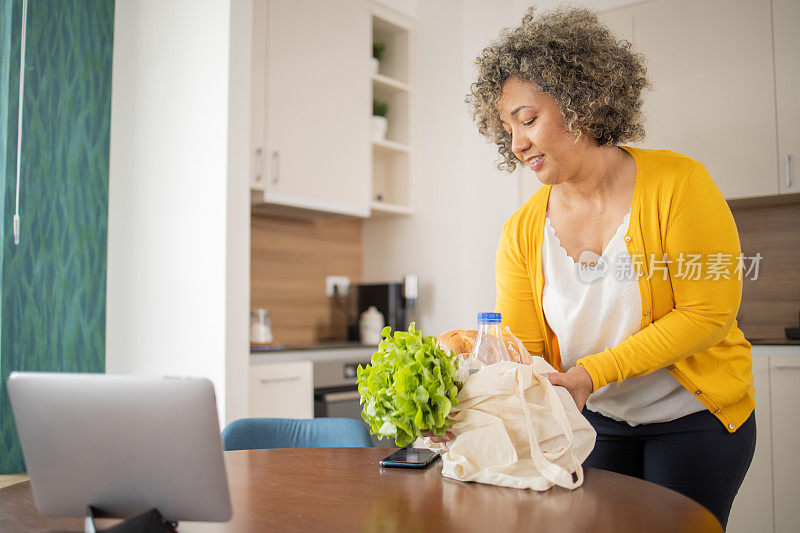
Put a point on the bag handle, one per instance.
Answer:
(563, 420)
(553, 472)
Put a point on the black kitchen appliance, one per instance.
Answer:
(793, 333)
(396, 301)
(336, 393)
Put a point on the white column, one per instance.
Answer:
(177, 271)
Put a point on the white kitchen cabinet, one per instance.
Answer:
(752, 507)
(713, 98)
(786, 26)
(785, 397)
(315, 151)
(282, 390)
(768, 498)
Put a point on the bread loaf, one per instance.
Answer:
(458, 341)
(461, 341)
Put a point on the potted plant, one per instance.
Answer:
(378, 47)
(379, 121)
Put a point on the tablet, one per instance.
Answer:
(121, 444)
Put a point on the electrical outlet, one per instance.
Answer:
(341, 282)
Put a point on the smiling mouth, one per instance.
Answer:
(535, 162)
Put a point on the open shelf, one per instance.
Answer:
(390, 83)
(390, 178)
(390, 147)
(399, 115)
(392, 157)
(390, 209)
(394, 32)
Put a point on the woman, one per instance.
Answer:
(623, 269)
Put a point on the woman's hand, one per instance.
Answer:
(448, 435)
(576, 380)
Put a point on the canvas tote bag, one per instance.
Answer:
(513, 428)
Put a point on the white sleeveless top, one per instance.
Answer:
(590, 309)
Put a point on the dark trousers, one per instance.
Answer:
(694, 455)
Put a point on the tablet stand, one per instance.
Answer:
(149, 522)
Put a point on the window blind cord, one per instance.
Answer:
(19, 114)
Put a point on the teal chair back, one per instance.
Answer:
(261, 433)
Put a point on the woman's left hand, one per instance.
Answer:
(577, 381)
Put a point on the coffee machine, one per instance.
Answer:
(396, 301)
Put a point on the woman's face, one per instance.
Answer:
(538, 134)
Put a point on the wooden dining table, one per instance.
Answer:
(344, 489)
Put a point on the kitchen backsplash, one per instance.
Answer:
(288, 265)
(771, 302)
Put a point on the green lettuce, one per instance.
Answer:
(409, 388)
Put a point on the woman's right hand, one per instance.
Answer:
(577, 381)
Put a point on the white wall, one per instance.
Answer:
(461, 199)
(172, 207)
(237, 262)
(597, 5)
(492, 195)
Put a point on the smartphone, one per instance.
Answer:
(410, 458)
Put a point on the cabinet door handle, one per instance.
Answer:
(276, 167)
(280, 380)
(259, 165)
(788, 171)
(786, 367)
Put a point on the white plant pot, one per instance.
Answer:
(379, 126)
(374, 64)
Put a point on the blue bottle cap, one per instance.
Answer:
(489, 317)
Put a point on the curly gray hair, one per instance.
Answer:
(569, 54)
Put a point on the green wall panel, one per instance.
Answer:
(53, 285)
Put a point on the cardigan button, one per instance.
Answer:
(732, 426)
(627, 238)
(671, 368)
(698, 392)
(716, 412)
(646, 313)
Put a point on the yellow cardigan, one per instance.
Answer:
(679, 220)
